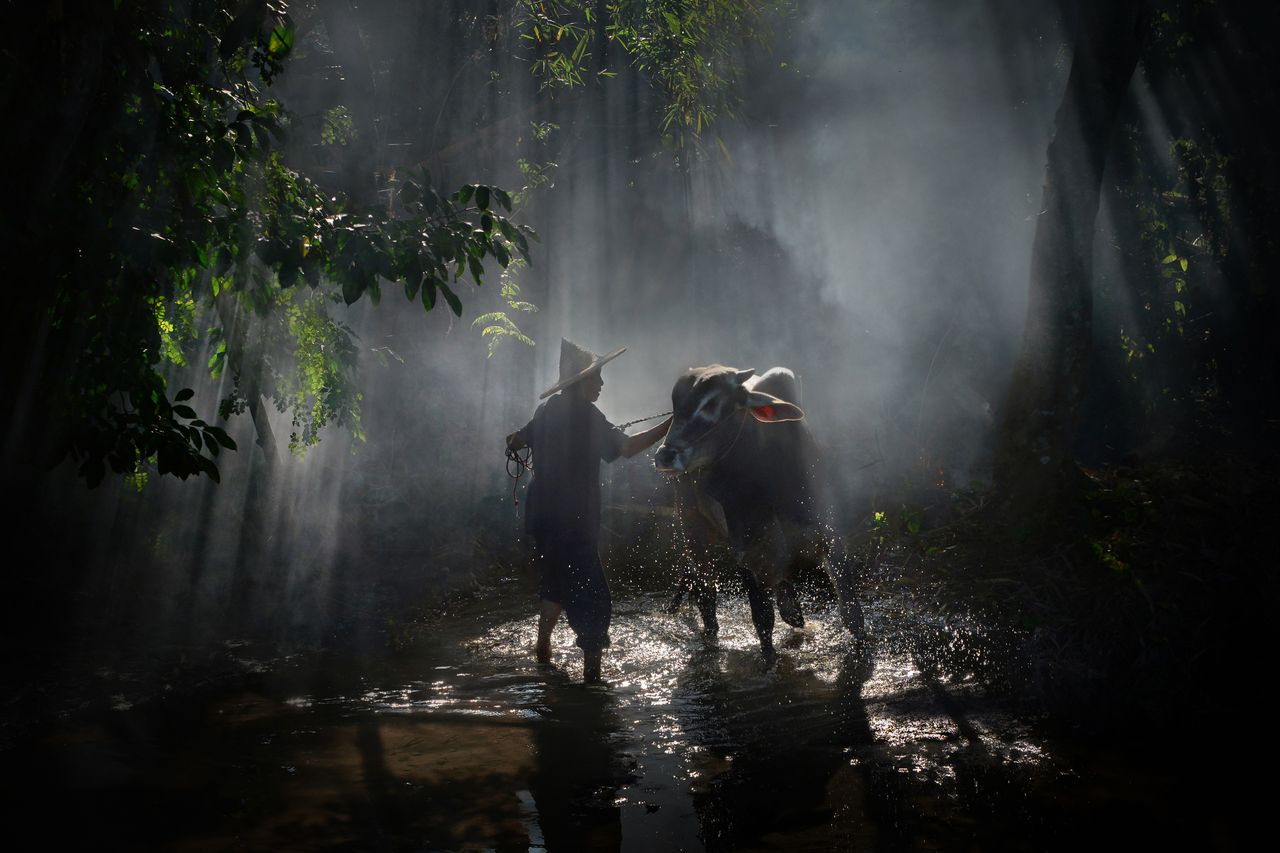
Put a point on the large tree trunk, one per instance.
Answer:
(1033, 463)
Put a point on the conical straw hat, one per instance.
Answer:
(576, 363)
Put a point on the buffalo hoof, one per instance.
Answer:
(788, 607)
(673, 606)
(854, 622)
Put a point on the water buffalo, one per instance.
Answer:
(748, 475)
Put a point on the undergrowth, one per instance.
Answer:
(1143, 607)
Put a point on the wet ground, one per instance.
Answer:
(460, 741)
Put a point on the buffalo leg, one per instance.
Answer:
(788, 607)
(701, 587)
(704, 593)
(761, 612)
(697, 580)
(840, 570)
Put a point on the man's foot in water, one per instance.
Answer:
(542, 651)
(591, 668)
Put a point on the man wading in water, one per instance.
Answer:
(569, 437)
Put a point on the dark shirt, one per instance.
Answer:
(569, 437)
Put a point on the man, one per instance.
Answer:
(570, 437)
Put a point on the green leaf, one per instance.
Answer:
(1183, 263)
(218, 357)
(281, 42)
(290, 269)
(413, 278)
(224, 156)
(452, 298)
(500, 252)
(503, 197)
(482, 197)
(410, 192)
(429, 293)
(521, 243)
(220, 435)
(184, 394)
(184, 411)
(463, 195)
(352, 288)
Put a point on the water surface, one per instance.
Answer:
(461, 741)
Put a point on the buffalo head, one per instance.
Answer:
(710, 408)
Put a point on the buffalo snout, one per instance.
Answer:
(668, 459)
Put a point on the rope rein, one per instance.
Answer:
(520, 459)
(642, 420)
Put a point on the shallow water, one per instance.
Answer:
(461, 741)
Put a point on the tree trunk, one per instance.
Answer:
(1033, 462)
(245, 359)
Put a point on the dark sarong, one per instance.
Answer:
(570, 438)
(570, 574)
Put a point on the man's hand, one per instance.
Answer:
(634, 444)
(515, 442)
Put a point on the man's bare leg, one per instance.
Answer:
(548, 616)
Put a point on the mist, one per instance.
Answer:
(1016, 252)
(866, 221)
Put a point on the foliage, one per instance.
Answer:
(188, 211)
(692, 50)
(311, 369)
(561, 32)
(337, 128)
(1154, 582)
(1182, 229)
(498, 326)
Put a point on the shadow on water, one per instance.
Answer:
(775, 749)
(579, 769)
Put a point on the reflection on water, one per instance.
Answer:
(463, 742)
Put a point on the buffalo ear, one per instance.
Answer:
(769, 409)
(744, 375)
